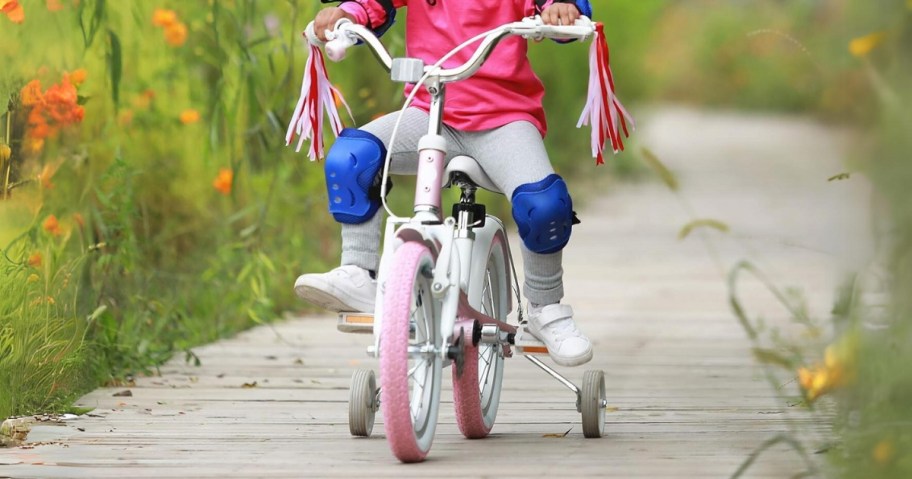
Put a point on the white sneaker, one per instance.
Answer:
(347, 288)
(554, 326)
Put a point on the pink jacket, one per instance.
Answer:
(504, 90)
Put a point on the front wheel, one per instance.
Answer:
(410, 366)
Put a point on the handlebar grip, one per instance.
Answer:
(311, 36)
(337, 47)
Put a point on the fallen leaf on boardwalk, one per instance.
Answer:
(840, 177)
(558, 435)
(299, 361)
(194, 379)
(701, 223)
(124, 393)
(249, 385)
(611, 409)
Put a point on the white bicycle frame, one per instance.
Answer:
(459, 249)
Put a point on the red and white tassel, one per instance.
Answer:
(317, 96)
(603, 111)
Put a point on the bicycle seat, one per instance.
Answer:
(470, 168)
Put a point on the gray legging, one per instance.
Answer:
(511, 155)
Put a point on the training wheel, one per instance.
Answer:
(592, 403)
(362, 403)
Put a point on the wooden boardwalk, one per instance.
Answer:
(685, 397)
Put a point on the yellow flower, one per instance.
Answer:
(189, 116)
(861, 46)
(12, 10)
(45, 176)
(32, 146)
(176, 34)
(5, 152)
(32, 278)
(884, 450)
(223, 181)
(164, 18)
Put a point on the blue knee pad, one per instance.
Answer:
(352, 182)
(543, 211)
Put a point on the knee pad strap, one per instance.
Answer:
(352, 180)
(543, 211)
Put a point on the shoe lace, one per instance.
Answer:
(564, 329)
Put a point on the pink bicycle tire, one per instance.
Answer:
(398, 299)
(467, 392)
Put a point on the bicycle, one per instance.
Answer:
(446, 284)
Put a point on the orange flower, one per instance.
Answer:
(126, 117)
(223, 181)
(31, 94)
(35, 260)
(144, 99)
(189, 116)
(54, 5)
(51, 225)
(62, 103)
(38, 126)
(176, 34)
(78, 76)
(164, 18)
(12, 10)
(77, 217)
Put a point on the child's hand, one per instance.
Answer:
(326, 20)
(560, 14)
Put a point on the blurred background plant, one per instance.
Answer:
(148, 203)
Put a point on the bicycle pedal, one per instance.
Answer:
(526, 343)
(358, 323)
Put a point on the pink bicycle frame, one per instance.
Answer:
(431, 161)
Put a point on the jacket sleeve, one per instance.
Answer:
(378, 15)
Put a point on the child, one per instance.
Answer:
(496, 117)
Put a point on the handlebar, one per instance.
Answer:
(345, 34)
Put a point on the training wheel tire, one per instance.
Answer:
(362, 403)
(592, 403)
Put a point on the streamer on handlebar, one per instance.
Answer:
(318, 95)
(603, 111)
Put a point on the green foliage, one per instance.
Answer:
(874, 414)
(166, 261)
(43, 352)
